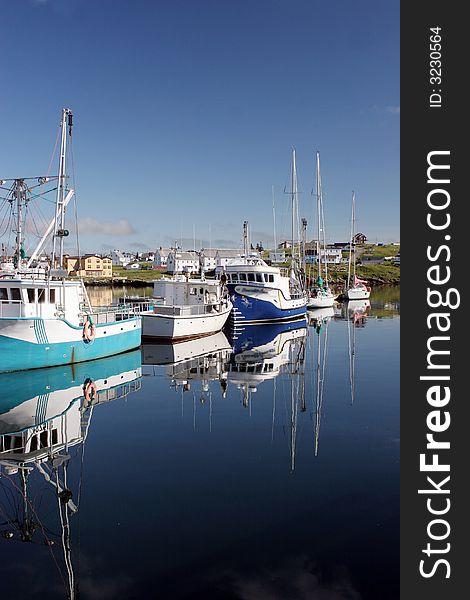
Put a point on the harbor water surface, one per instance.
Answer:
(270, 471)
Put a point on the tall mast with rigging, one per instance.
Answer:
(59, 221)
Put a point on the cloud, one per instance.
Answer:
(121, 227)
(393, 110)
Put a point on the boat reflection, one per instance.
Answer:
(44, 414)
(200, 360)
(261, 352)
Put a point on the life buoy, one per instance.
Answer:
(89, 330)
(89, 391)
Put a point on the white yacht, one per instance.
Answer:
(185, 308)
(356, 289)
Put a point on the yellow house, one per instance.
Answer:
(90, 265)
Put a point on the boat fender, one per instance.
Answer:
(89, 391)
(89, 330)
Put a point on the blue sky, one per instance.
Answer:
(185, 113)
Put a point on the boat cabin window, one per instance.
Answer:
(52, 295)
(259, 277)
(242, 276)
(201, 291)
(55, 437)
(3, 294)
(15, 293)
(30, 294)
(269, 278)
(251, 276)
(193, 291)
(41, 295)
(234, 277)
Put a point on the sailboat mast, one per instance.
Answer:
(59, 230)
(318, 215)
(353, 233)
(351, 242)
(294, 198)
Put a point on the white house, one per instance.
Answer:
(209, 255)
(121, 259)
(332, 256)
(161, 257)
(225, 256)
(179, 262)
(277, 257)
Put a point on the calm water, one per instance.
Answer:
(268, 472)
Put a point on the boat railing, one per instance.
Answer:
(102, 315)
(190, 310)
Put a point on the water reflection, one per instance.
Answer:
(44, 415)
(293, 421)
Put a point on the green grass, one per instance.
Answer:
(137, 274)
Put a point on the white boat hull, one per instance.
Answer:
(180, 327)
(321, 301)
(359, 293)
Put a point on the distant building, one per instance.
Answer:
(161, 257)
(180, 262)
(277, 257)
(121, 259)
(224, 256)
(360, 238)
(284, 245)
(89, 265)
(331, 256)
(210, 256)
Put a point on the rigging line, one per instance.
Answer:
(53, 152)
(75, 203)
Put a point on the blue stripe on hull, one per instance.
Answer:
(246, 309)
(18, 355)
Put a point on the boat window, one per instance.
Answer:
(43, 439)
(251, 276)
(55, 438)
(193, 291)
(15, 293)
(30, 294)
(259, 277)
(52, 295)
(201, 291)
(234, 277)
(41, 295)
(242, 276)
(270, 278)
(3, 294)
(34, 443)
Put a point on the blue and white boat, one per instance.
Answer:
(46, 319)
(261, 293)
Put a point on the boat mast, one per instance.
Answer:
(19, 193)
(59, 230)
(351, 243)
(294, 201)
(245, 238)
(318, 216)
